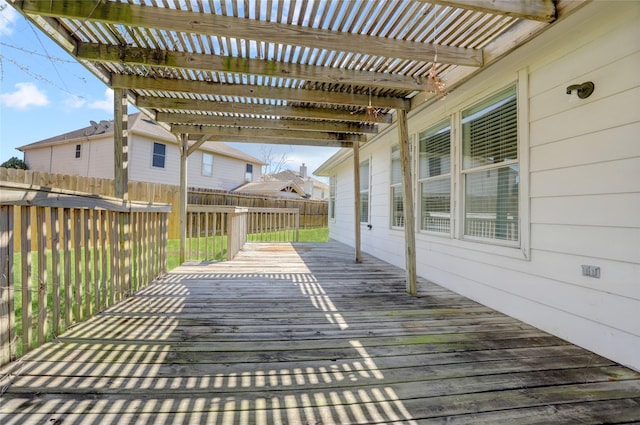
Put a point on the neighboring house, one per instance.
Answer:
(273, 188)
(527, 199)
(154, 156)
(313, 188)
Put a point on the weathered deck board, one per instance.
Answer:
(303, 335)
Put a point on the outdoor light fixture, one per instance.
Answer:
(583, 90)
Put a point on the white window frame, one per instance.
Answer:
(78, 151)
(163, 156)
(465, 172)
(207, 166)
(522, 250)
(248, 175)
(393, 186)
(366, 191)
(333, 185)
(444, 123)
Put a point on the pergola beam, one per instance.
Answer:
(279, 135)
(535, 10)
(259, 109)
(132, 82)
(132, 55)
(267, 123)
(273, 141)
(273, 32)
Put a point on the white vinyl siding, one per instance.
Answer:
(434, 173)
(364, 191)
(397, 205)
(578, 165)
(490, 168)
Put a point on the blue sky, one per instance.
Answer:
(45, 92)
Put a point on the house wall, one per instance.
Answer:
(580, 188)
(96, 160)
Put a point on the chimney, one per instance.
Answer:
(303, 171)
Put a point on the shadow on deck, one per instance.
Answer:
(300, 334)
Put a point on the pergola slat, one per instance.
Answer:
(193, 22)
(536, 10)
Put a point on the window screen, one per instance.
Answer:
(364, 192)
(490, 168)
(397, 206)
(435, 178)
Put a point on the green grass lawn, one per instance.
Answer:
(317, 234)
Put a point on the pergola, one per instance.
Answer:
(298, 72)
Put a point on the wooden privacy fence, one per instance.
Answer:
(312, 213)
(65, 256)
(219, 232)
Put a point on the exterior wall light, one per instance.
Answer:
(583, 90)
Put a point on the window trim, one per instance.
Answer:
(333, 186)
(163, 156)
(78, 152)
(450, 119)
(462, 172)
(486, 246)
(368, 191)
(392, 187)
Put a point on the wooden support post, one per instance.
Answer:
(356, 197)
(121, 144)
(183, 141)
(407, 201)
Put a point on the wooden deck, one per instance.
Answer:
(302, 335)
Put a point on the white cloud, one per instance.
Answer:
(8, 17)
(105, 104)
(26, 95)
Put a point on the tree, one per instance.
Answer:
(274, 164)
(14, 162)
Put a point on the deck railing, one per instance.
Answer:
(219, 232)
(65, 256)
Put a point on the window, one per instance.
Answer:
(248, 174)
(397, 205)
(364, 192)
(332, 197)
(207, 164)
(490, 169)
(159, 155)
(78, 150)
(434, 176)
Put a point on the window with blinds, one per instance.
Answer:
(397, 206)
(332, 197)
(490, 168)
(364, 192)
(434, 173)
